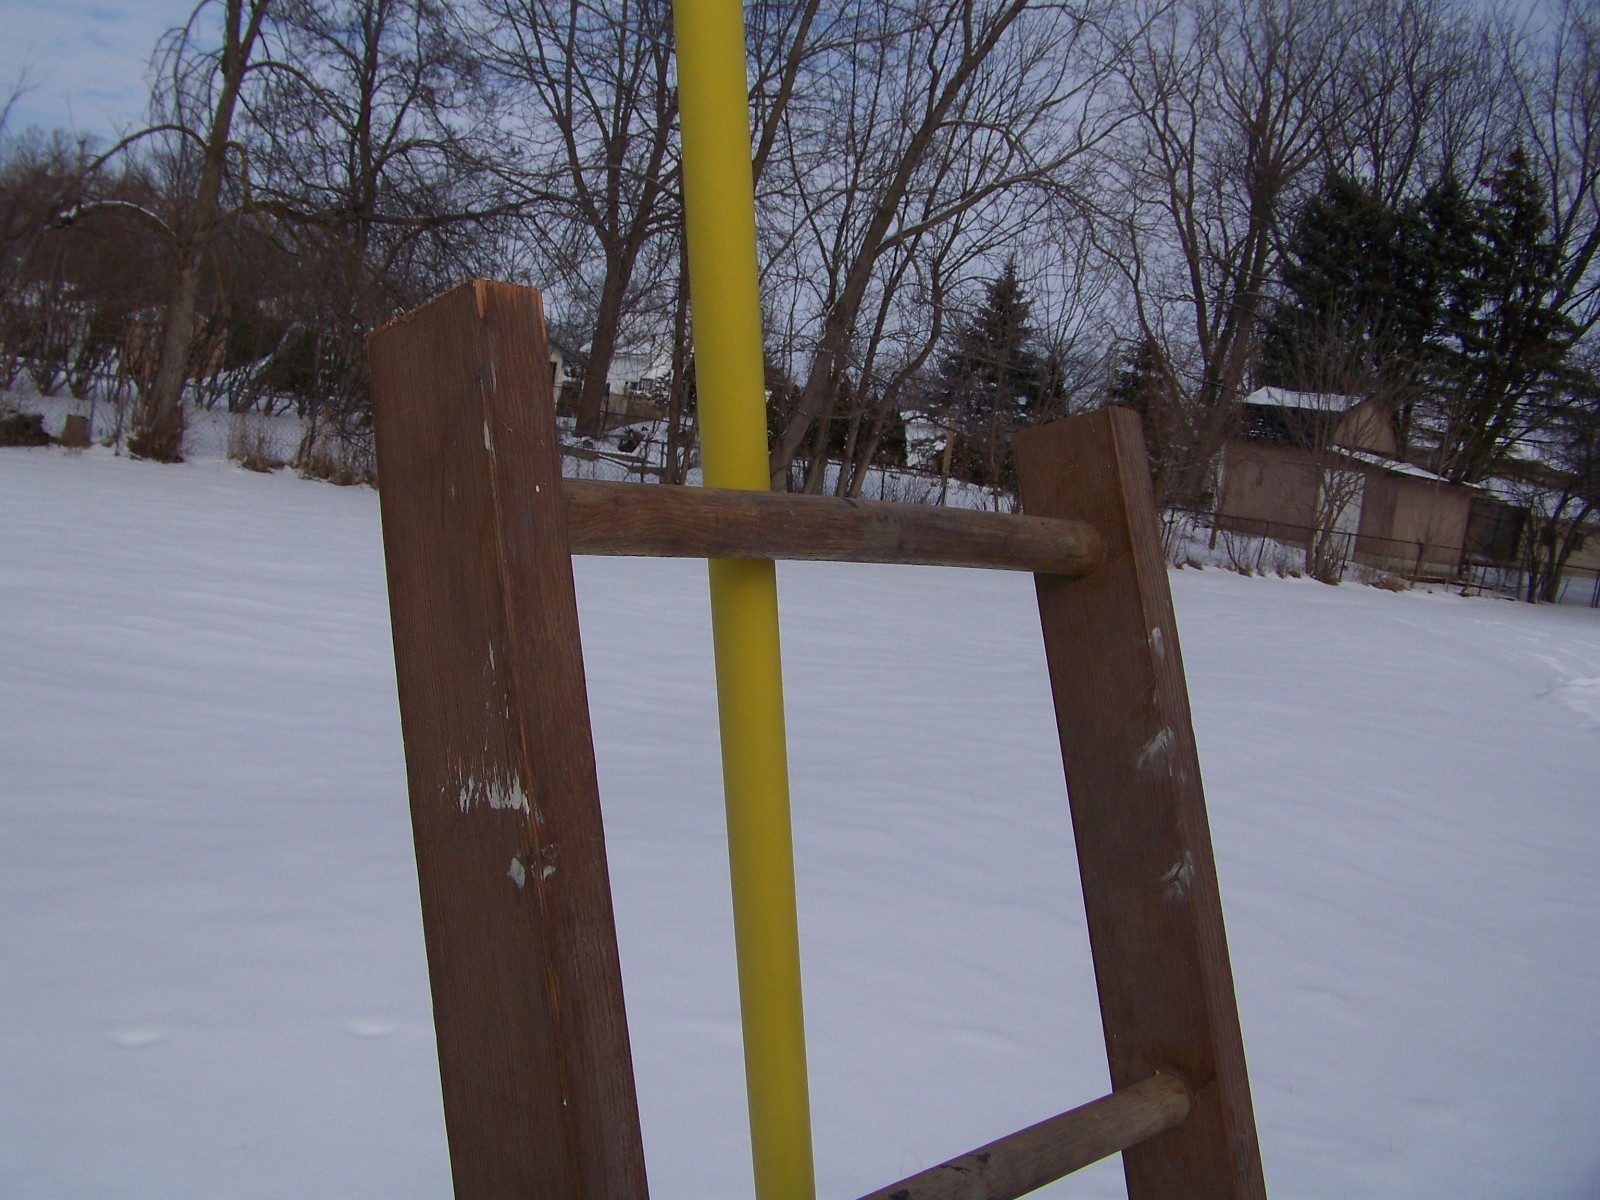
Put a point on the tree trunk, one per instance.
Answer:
(602, 349)
(869, 447)
(1561, 551)
(158, 429)
(817, 469)
(680, 439)
(159, 425)
(847, 459)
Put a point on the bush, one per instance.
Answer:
(23, 429)
(1385, 582)
(342, 458)
(250, 444)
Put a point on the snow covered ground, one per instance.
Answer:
(211, 972)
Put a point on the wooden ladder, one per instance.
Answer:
(479, 528)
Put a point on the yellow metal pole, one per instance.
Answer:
(719, 204)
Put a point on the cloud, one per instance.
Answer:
(85, 64)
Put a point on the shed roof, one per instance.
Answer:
(1322, 402)
(1397, 467)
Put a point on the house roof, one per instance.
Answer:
(1396, 467)
(560, 344)
(1523, 493)
(1322, 402)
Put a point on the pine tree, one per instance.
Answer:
(1358, 306)
(1339, 276)
(1143, 382)
(1503, 342)
(1446, 303)
(995, 381)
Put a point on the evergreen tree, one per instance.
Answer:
(1447, 303)
(1348, 272)
(995, 381)
(1503, 342)
(1144, 383)
(1358, 306)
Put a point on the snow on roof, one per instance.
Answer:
(1325, 402)
(1396, 467)
(1524, 493)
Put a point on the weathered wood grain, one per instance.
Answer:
(1138, 810)
(648, 519)
(1025, 1161)
(533, 1043)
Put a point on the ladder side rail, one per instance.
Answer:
(534, 1061)
(1138, 810)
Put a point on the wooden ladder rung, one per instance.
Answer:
(1029, 1159)
(479, 527)
(681, 522)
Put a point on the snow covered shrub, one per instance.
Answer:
(1180, 535)
(1242, 552)
(1383, 580)
(250, 443)
(344, 457)
(903, 488)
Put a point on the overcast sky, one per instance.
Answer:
(85, 63)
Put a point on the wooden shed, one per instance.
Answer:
(1412, 522)
(1313, 465)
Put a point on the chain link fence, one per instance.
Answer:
(1192, 537)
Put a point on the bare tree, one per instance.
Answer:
(596, 113)
(682, 412)
(907, 328)
(1231, 104)
(928, 112)
(1558, 99)
(37, 173)
(1561, 491)
(1430, 89)
(200, 100)
(364, 166)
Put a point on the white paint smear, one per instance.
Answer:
(1175, 883)
(1154, 749)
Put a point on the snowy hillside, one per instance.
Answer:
(211, 970)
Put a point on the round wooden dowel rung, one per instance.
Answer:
(1027, 1160)
(680, 522)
